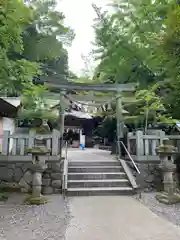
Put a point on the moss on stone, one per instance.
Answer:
(35, 200)
(41, 130)
(165, 149)
(166, 199)
(11, 190)
(38, 150)
(9, 187)
(3, 197)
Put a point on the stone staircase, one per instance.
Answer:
(97, 178)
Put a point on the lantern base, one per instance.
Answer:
(30, 200)
(165, 198)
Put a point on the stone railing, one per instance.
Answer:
(143, 147)
(17, 144)
(31, 161)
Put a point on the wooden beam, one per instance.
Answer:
(92, 87)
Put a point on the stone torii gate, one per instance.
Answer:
(116, 88)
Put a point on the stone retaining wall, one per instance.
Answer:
(19, 175)
(150, 176)
(52, 179)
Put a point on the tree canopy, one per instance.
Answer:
(32, 37)
(139, 42)
(135, 41)
(15, 73)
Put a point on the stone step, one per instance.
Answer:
(98, 183)
(75, 169)
(94, 163)
(96, 176)
(100, 191)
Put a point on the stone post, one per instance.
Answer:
(139, 145)
(36, 184)
(37, 168)
(166, 154)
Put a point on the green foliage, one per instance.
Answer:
(47, 35)
(139, 42)
(16, 74)
(149, 100)
(127, 42)
(38, 113)
(50, 22)
(34, 105)
(170, 46)
(33, 97)
(32, 38)
(172, 34)
(107, 128)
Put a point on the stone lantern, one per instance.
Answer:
(166, 154)
(39, 154)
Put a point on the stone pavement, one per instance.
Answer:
(89, 154)
(113, 217)
(116, 218)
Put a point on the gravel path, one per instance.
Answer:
(45, 222)
(169, 212)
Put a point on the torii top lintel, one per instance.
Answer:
(129, 87)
